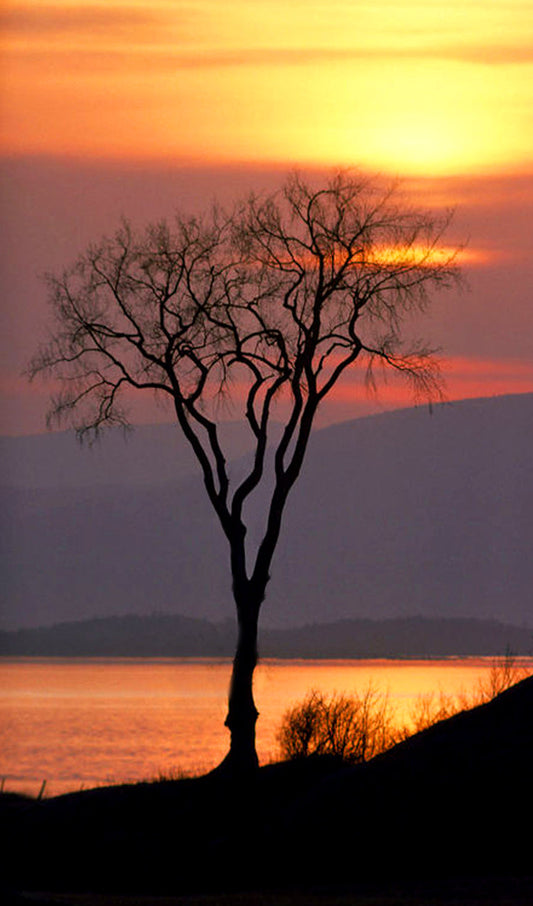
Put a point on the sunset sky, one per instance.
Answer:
(133, 108)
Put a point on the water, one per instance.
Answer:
(84, 722)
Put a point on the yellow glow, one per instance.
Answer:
(398, 86)
(422, 256)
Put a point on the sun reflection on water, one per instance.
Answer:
(85, 722)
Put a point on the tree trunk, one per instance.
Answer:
(242, 713)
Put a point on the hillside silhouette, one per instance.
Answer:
(447, 804)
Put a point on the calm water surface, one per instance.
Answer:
(83, 722)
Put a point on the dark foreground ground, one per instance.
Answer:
(446, 817)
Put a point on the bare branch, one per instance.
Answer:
(266, 305)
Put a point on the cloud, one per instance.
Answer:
(156, 36)
(30, 19)
(513, 370)
(464, 378)
(487, 377)
(165, 60)
(495, 55)
(23, 405)
(489, 56)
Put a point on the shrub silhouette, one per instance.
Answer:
(356, 727)
(504, 672)
(353, 727)
(429, 709)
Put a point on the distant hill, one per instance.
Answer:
(396, 514)
(161, 635)
(148, 456)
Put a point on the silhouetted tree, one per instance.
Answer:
(265, 305)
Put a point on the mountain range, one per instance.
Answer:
(398, 514)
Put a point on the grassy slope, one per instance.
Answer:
(448, 803)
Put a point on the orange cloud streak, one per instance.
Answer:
(464, 378)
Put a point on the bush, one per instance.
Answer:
(353, 727)
(504, 672)
(431, 708)
(358, 727)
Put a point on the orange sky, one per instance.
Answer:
(129, 107)
(426, 87)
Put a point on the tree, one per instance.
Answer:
(265, 305)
